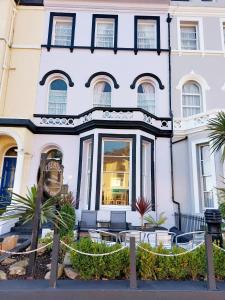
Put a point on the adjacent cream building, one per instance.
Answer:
(21, 30)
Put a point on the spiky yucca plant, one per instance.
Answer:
(216, 126)
(158, 221)
(23, 208)
(143, 206)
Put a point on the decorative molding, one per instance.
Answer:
(194, 123)
(88, 83)
(120, 115)
(192, 76)
(43, 80)
(151, 75)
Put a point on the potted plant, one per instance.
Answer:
(156, 222)
(143, 206)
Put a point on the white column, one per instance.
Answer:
(19, 171)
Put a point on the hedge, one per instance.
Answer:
(191, 266)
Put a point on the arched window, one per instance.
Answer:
(191, 99)
(102, 94)
(146, 97)
(57, 97)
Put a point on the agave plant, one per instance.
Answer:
(216, 126)
(143, 206)
(158, 221)
(23, 208)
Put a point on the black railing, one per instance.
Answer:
(190, 223)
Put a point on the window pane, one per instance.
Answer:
(104, 36)
(115, 189)
(102, 94)
(146, 171)
(189, 37)
(63, 33)
(116, 173)
(57, 97)
(206, 177)
(146, 97)
(146, 34)
(88, 171)
(112, 148)
(191, 99)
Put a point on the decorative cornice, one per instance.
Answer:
(88, 83)
(151, 75)
(43, 80)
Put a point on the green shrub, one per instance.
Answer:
(114, 266)
(69, 218)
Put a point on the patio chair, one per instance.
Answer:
(118, 221)
(164, 238)
(96, 236)
(88, 220)
(124, 236)
(189, 240)
(148, 237)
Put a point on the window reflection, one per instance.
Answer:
(116, 173)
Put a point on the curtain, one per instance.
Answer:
(191, 99)
(63, 33)
(105, 34)
(146, 97)
(102, 94)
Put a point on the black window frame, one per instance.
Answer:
(50, 29)
(102, 16)
(152, 142)
(80, 169)
(158, 34)
(133, 138)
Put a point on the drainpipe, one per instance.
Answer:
(169, 19)
(6, 66)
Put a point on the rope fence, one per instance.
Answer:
(109, 253)
(93, 254)
(170, 255)
(26, 252)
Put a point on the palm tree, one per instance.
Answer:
(216, 126)
(23, 208)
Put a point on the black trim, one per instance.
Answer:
(111, 109)
(133, 85)
(50, 29)
(94, 124)
(152, 142)
(102, 48)
(102, 16)
(30, 2)
(43, 80)
(181, 140)
(88, 83)
(99, 163)
(82, 140)
(158, 42)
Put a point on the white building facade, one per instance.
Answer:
(197, 41)
(103, 103)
